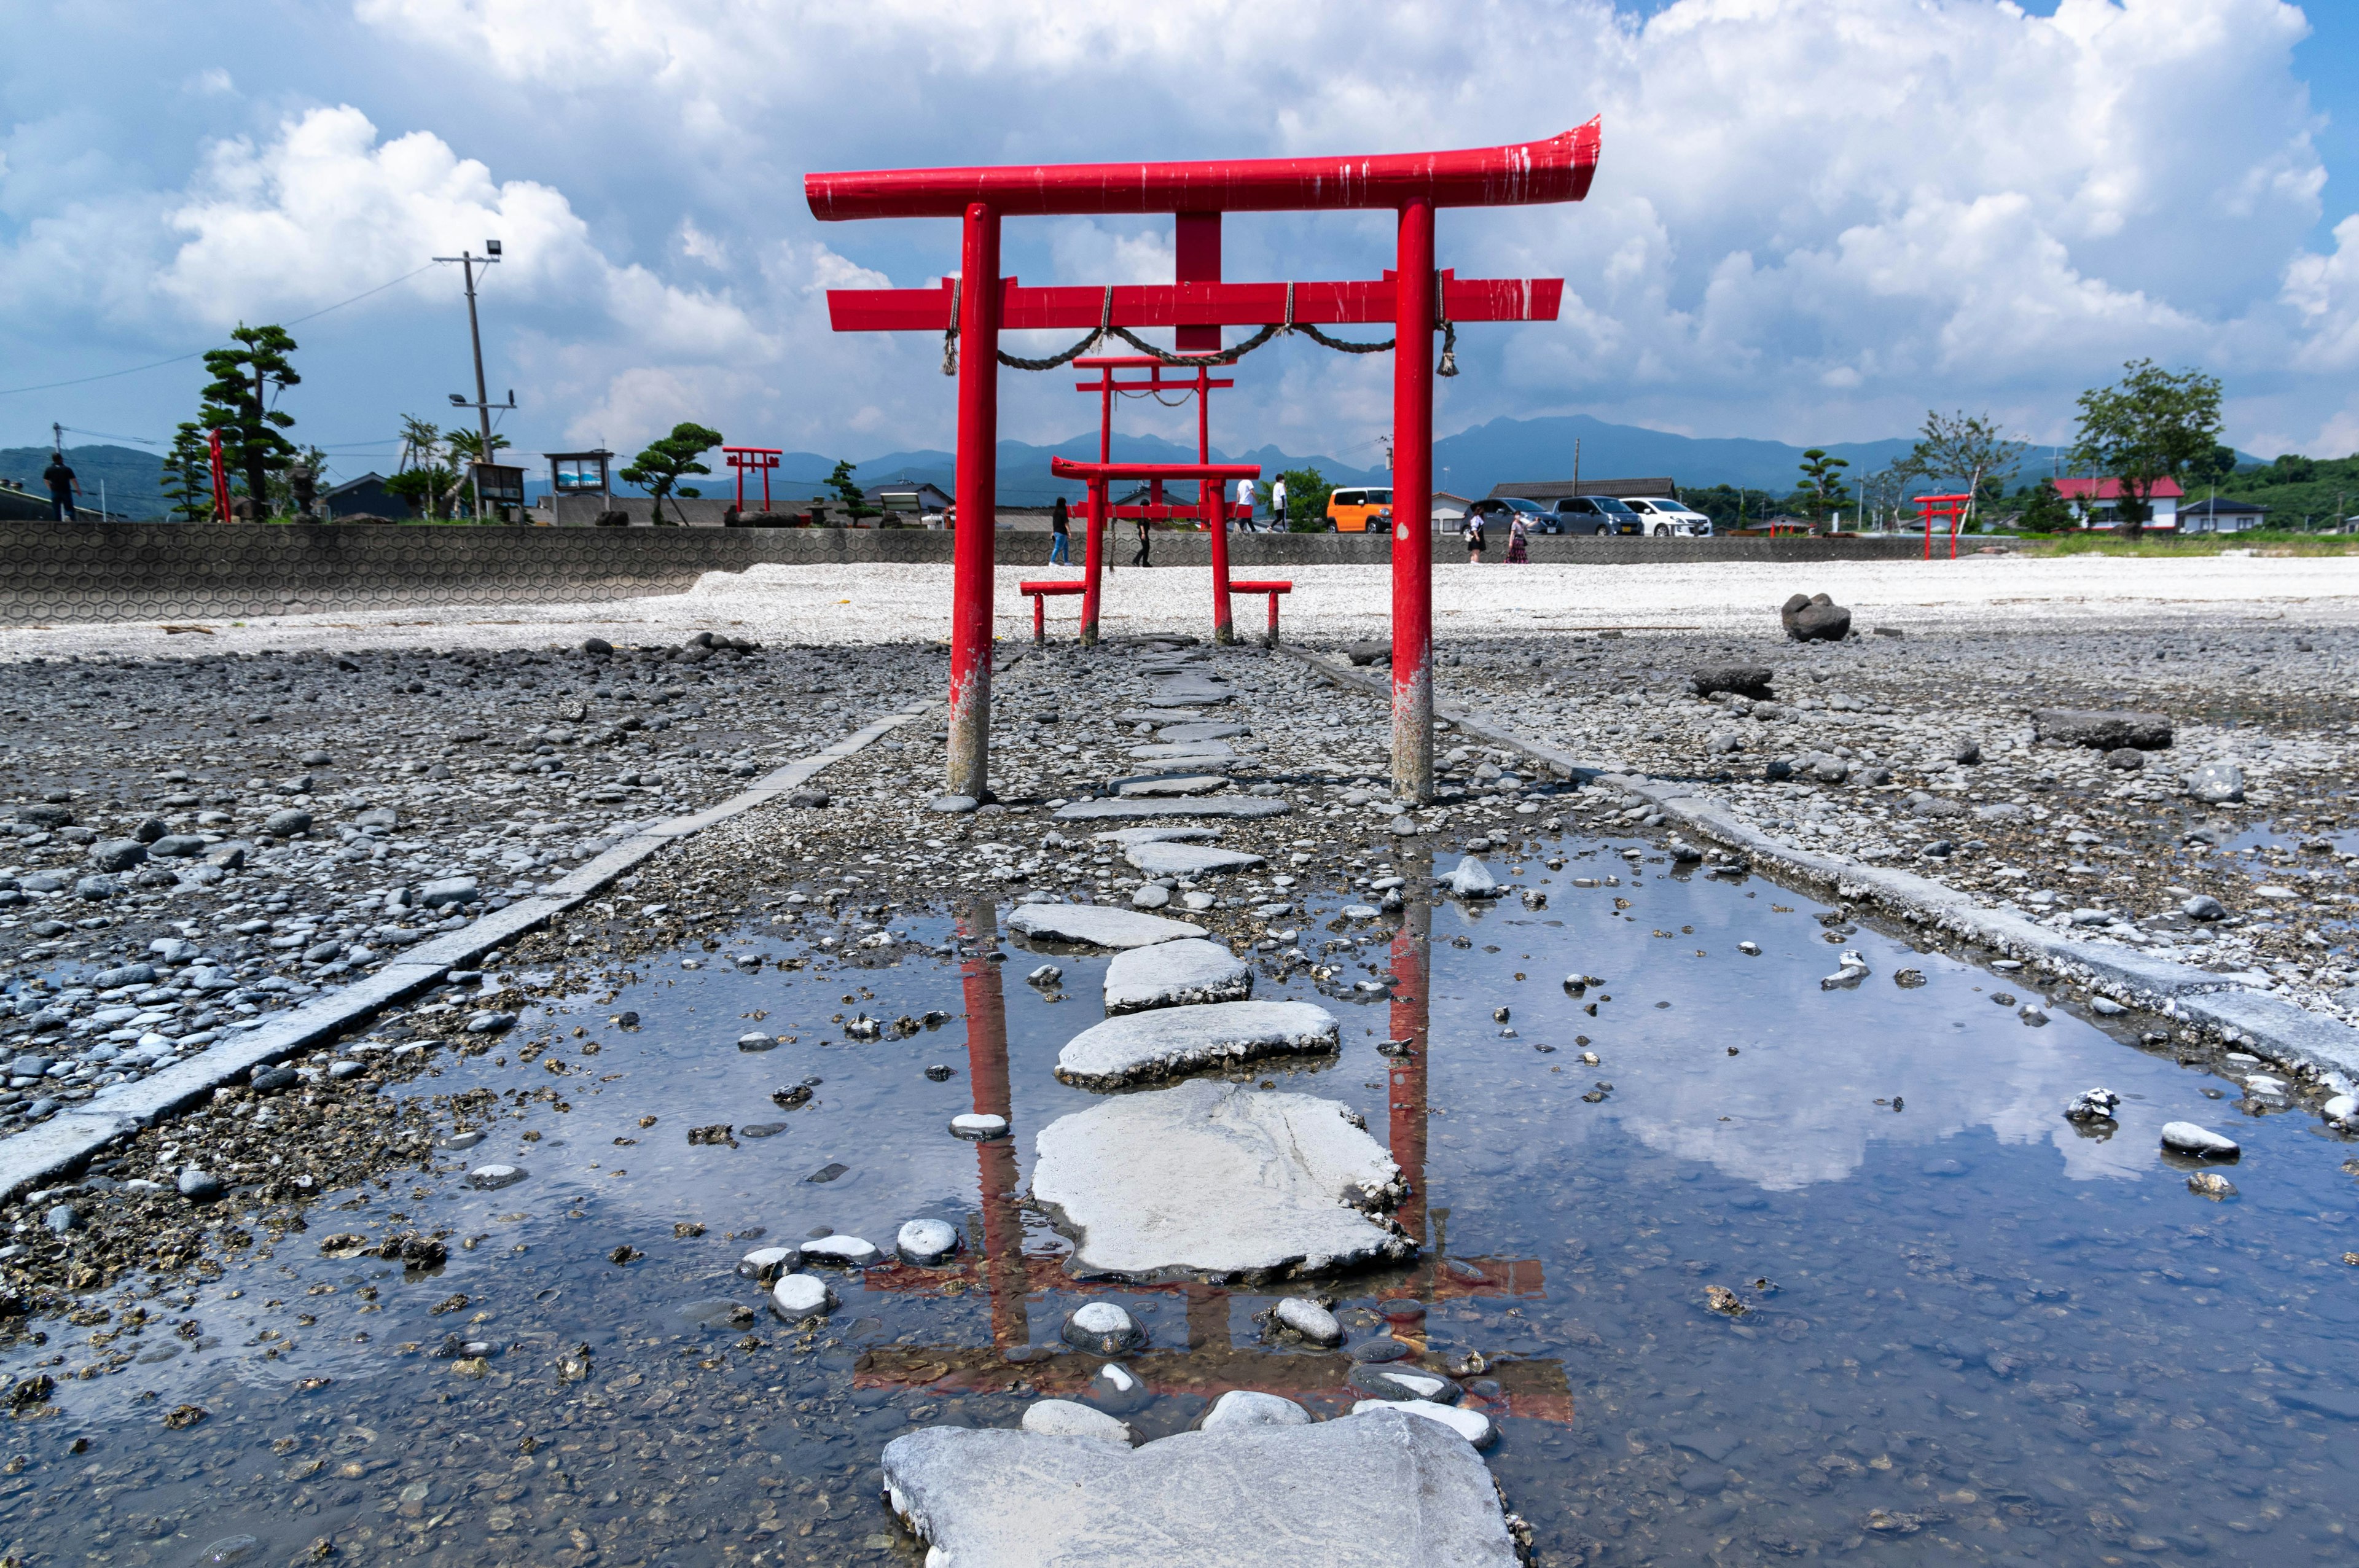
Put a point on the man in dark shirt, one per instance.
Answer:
(62, 487)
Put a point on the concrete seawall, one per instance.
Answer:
(83, 572)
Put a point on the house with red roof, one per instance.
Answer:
(2096, 503)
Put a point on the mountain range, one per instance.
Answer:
(1468, 463)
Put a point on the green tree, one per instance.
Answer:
(237, 402)
(281, 484)
(1307, 490)
(2214, 466)
(466, 447)
(2147, 427)
(189, 473)
(1966, 450)
(1822, 488)
(659, 469)
(847, 489)
(2045, 510)
(424, 479)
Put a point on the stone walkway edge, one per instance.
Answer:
(74, 1135)
(2266, 1025)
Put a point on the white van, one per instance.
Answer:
(1666, 518)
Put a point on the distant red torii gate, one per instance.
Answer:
(1416, 299)
(1210, 479)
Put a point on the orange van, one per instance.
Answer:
(1357, 511)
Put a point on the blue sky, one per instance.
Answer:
(1814, 219)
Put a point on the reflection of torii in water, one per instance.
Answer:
(1211, 1365)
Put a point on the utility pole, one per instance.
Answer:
(468, 261)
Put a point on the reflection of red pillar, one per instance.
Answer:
(1411, 1021)
(986, 1065)
(972, 551)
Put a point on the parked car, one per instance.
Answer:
(1596, 514)
(1666, 518)
(1357, 511)
(1497, 511)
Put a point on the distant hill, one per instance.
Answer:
(1514, 451)
(134, 478)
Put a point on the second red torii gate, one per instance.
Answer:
(1413, 295)
(1210, 479)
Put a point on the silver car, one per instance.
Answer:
(1667, 519)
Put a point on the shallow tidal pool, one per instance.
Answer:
(1786, 1272)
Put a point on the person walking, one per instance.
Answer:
(1519, 534)
(1471, 532)
(1140, 559)
(63, 488)
(1059, 534)
(1278, 505)
(1245, 505)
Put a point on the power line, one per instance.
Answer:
(199, 354)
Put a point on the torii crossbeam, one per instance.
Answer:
(1416, 299)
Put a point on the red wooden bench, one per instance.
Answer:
(1039, 592)
(1273, 589)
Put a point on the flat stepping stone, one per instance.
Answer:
(1218, 1183)
(1096, 926)
(1201, 729)
(1212, 698)
(1169, 1042)
(839, 1252)
(1155, 786)
(978, 1126)
(1156, 836)
(1176, 974)
(1374, 1491)
(1164, 858)
(1205, 751)
(925, 1242)
(1231, 807)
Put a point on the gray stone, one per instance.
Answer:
(765, 1264)
(1168, 859)
(2092, 1105)
(925, 1242)
(125, 975)
(2101, 730)
(97, 887)
(2216, 784)
(2187, 1138)
(1102, 1329)
(287, 823)
(62, 1218)
(2203, 906)
(1385, 1490)
(448, 890)
(1311, 1320)
(1244, 1408)
(1472, 1425)
(1744, 680)
(1175, 974)
(1814, 618)
(489, 1178)
(797, 1296)
(378, 817)
(1232, 807)
(809, 797)
(1151, 895)
(177, 846)
(1205, 752)
(978, 1126)
(1171, 1041)
(1065, 1418)
(1156, 786)
(117, 854)
(1472, 878)
(1399, 1383)
(838, 1252)
(1204, 730)
(955, 804)
(1096, 926)
(1156, 836)
(198, 1185)
(1216, 1181)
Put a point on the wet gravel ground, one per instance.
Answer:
(1871, 729)
(225, 1368)
(195, 842)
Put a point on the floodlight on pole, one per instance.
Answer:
(468, 261)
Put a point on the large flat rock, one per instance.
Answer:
(1165, 858)
(1153, 835)
(1378, 1490)
(1176, 974)
(1153, 785)
(1233, 806)
(1198, 731)
(1217, 1181)
(1175, 1040)
(1185, 751)
(1192, 696)
(1096, 926)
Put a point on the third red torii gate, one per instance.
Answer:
(1416, 299)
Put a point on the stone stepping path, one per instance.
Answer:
(1164, 858)
(1233, 806)
(1218, 1183)
(1096, 926)
(1382, 1489)
(1152, 787)
(1176, 974)
(1169, 1042)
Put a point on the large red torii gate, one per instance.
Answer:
(1412, 295)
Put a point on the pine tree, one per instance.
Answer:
(238, 404)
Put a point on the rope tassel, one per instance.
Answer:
(949, 339)
(1449, 365)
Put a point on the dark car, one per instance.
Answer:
(1597, 514)
(1499, 512)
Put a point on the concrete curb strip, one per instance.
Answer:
(38, 1153)
(2268, 1025)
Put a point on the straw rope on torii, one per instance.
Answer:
(1415, 298)
(1105, 329)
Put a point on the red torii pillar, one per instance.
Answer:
(1198, 304)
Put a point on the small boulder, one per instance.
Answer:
(1103, 1329)
(2092, 1105)
(1472, 878)
(117, 854)
(2109, 731)
(2203, 906)
(1309, 1319)
(1744, 680)
(286, 823)
(2215, 783)
(1244, 1407)
(1065, 1418)
(1814, 618)
(2201, 1143)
